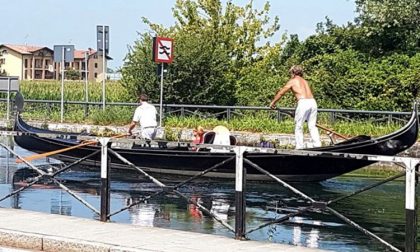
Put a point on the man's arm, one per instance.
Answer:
(280, 93)
(131, 127)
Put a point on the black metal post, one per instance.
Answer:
(410, 207)
(332, 117)
(240, 201)
(105, 180)
(86, 109)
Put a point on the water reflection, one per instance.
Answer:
(143, 214)
(265, 202)
(312, 238)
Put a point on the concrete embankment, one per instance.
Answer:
(50, 232)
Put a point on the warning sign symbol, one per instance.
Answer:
(163, 50)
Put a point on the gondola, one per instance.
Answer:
(180, 160)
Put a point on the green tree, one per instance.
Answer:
(213, 45)
(392, 25)
(72, 74)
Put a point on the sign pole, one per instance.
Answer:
(103, 67)
(161, 96)
(162, 53)
(86, 78)
(8, 98)
(62, 84)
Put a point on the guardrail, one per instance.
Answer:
(228, 112)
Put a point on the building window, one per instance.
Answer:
(96, 75)
(96, 65)
(38, 63)
(48, 75)
(26, 63)
(38, 74)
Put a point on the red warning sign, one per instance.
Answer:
(163, 50)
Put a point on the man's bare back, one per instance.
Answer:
(299, 87)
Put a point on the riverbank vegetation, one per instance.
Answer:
(263, 121)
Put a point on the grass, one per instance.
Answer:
(262, 123)
(376, 171)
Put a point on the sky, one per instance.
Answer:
(73, 22)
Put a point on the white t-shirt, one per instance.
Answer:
(145, 114)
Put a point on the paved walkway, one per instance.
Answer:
(51, 232)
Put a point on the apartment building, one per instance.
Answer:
(37, 63)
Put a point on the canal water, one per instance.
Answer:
(380, 210)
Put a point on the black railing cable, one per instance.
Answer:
(324, 205)
(367, 188)
(172, 189)
(42, 173)
(361, 229)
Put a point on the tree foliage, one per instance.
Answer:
(369, 64)
(72, 74)
(393, 25)
(223, 57)
(213, 46)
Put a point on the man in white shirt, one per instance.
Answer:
(145, 115)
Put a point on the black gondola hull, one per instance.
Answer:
(180, 161)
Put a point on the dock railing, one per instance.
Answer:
(239, 154)
(411, 166)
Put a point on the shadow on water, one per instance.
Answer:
(380, 210)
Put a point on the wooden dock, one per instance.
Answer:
(51, 232)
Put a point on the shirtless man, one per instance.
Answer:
(306, 109)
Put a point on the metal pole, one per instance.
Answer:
(161, 96)
(8, 99)
(86, 84)
(410, 206)
(103, 67)
(240, 203)
(105, 191)
(62, 83)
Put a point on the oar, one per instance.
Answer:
(46, 154)
(333, 132)
(319, 126)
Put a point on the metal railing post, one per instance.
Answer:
(410, 206)
(105, 173)
(332, 117)
(240, 201)
(86, 109)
